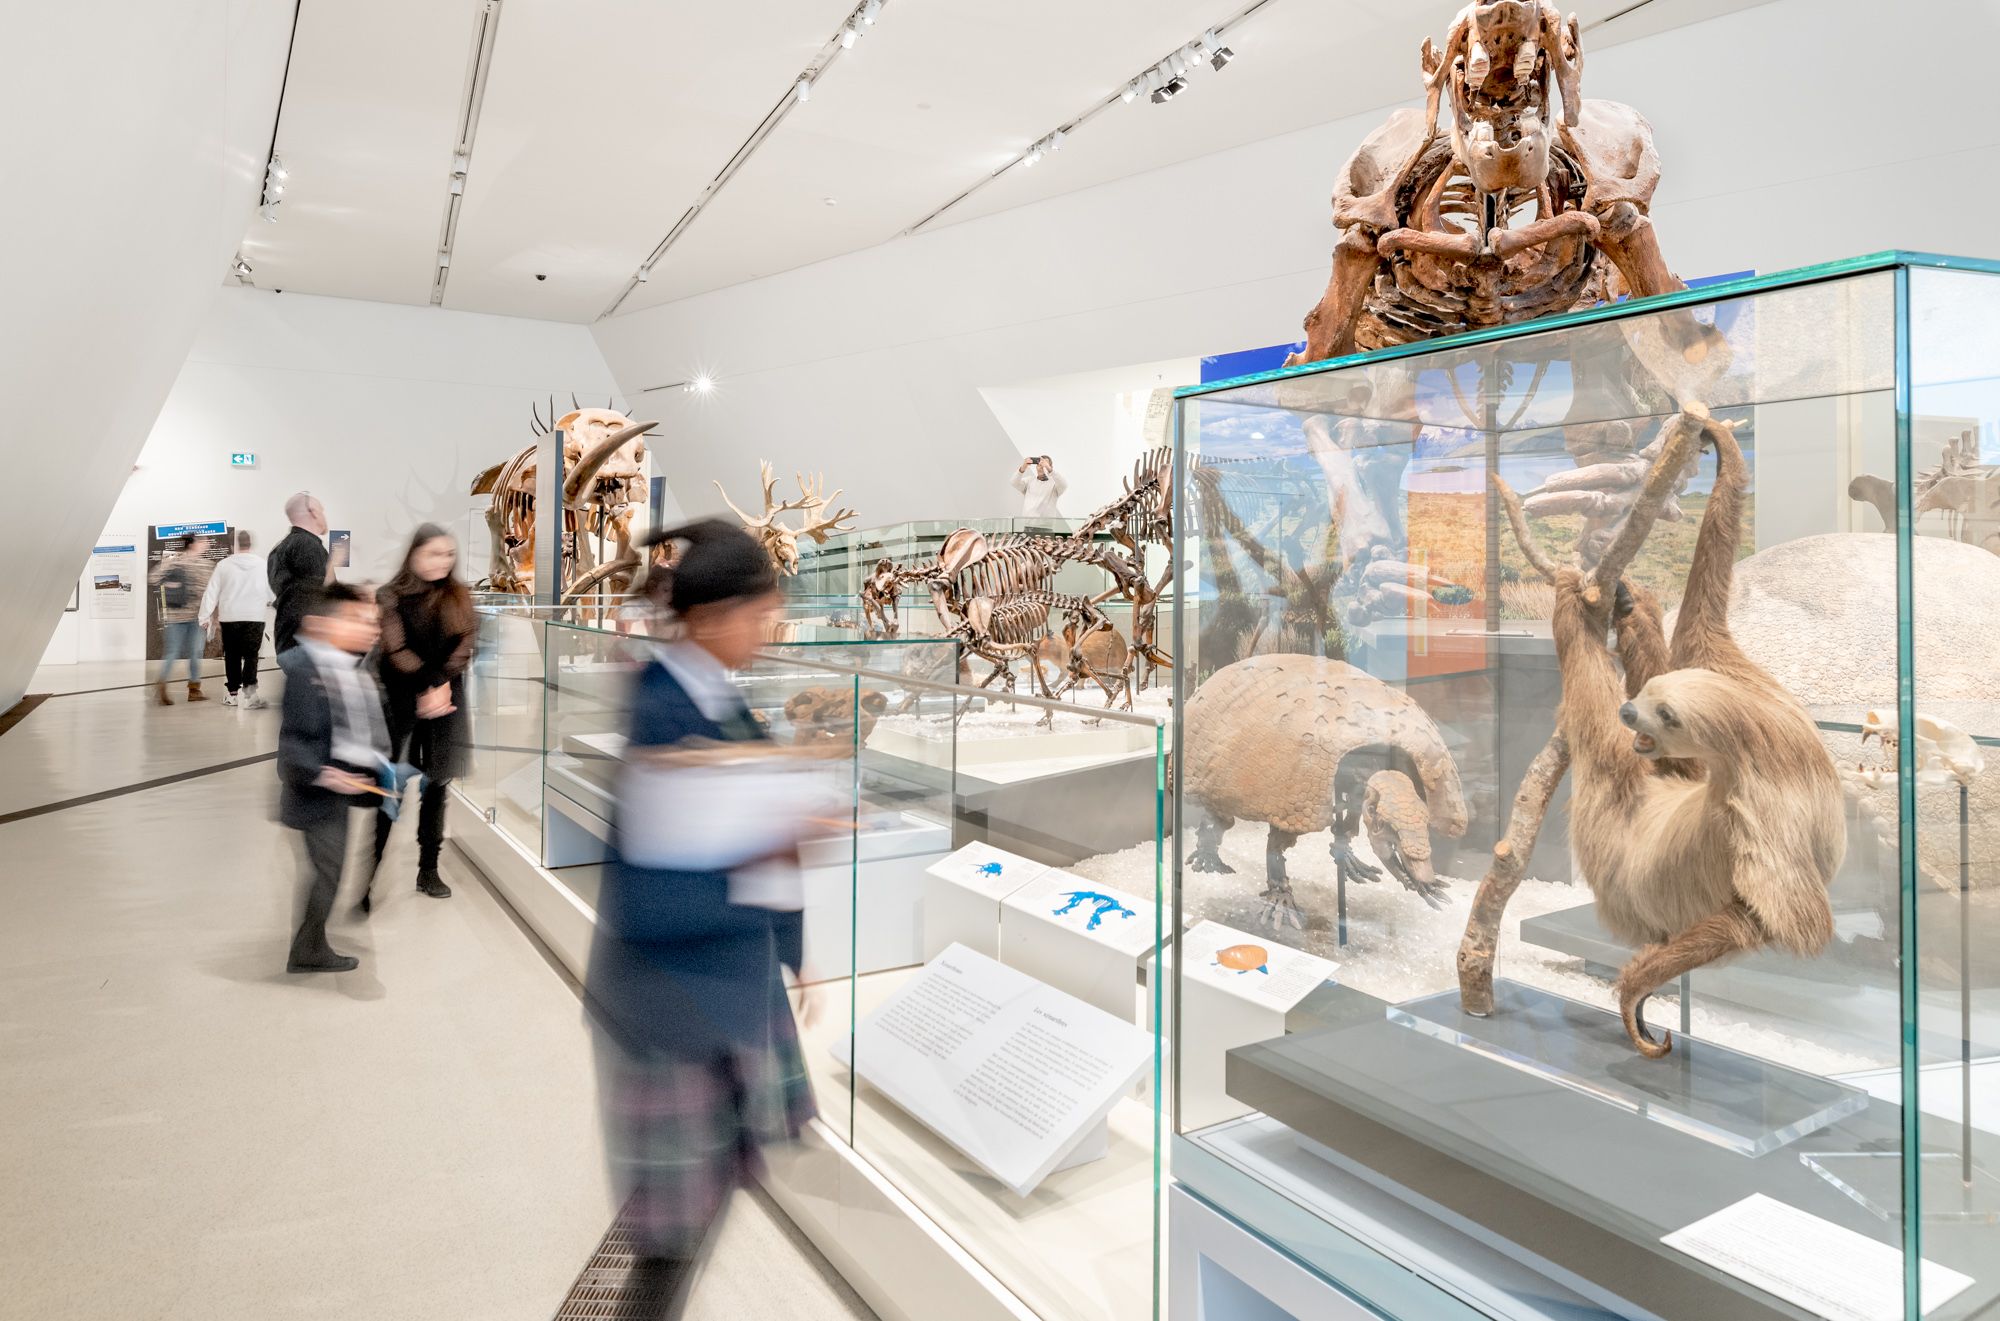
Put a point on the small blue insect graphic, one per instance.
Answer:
(989, 869)
(1104, 904)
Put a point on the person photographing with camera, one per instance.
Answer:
(1040, 486)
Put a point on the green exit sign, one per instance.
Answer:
(243, 460)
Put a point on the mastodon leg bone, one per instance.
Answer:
(1507, 242)
(1417, 240)
(1510, 863)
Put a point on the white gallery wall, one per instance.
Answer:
(1791, 133)
(135, 146)
(385, 412)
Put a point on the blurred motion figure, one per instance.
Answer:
(428, 632)
(698, 1053)
(181, 579)
(331, 746)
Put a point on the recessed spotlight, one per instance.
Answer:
(541, 277)
(829, 201)
(701, 385)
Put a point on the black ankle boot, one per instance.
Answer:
(432, 884)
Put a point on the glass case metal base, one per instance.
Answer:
(1737, 1101)
(1875, 1180)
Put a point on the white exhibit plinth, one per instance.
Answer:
(1014, 1073)
(1237, 991)
(1080, 937)
(962, 895)
(865, 893)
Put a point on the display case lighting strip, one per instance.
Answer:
(797, 92)
(1161, 81)
(478, 66)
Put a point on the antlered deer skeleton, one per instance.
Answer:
(780, 542)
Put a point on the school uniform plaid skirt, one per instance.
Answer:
(682, 1132)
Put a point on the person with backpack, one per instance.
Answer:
(180, 580)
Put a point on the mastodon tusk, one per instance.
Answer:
(586, 468)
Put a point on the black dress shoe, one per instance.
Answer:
(331, 963)
(432, 884)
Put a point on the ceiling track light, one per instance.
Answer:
(1165, 80)
(479, 64)
(852, 29)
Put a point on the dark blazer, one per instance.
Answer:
(676, 968)
(305, 745)
(295, 568)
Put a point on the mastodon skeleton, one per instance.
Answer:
(604, 497)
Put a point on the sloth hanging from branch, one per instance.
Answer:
(1706, 814)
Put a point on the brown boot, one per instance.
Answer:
(160, 692)
(194, 693)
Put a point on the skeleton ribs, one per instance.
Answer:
(996, 595)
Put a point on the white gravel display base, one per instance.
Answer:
(1400, 948)
(1019, 720)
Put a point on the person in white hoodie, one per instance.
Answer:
(238, 593)
(1040, 486)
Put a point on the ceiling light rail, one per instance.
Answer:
(1161, 83)
(478, 65)
(854, 27)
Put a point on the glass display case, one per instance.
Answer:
(981, 910)
(1586, 899)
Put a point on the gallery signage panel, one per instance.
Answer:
(168, 531)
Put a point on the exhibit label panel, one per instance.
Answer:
(114, 577)
(1012, 1072)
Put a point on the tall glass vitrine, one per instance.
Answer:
(1420, 902)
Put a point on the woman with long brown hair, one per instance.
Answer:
(428, 631)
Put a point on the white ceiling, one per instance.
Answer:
(603, 121)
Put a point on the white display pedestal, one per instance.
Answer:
(1018, 1076)
(1237, 991)
(1080, 937)
(962, 895)
(882, 867)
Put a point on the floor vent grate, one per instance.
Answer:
(606, 1289)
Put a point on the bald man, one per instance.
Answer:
(297, 567)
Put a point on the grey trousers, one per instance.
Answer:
(325, 850)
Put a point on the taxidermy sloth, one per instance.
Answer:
(1705, 812)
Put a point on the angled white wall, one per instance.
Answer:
(871, 365)
(134, 151)
(383, 411)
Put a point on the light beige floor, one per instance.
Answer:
(87, 675)
(191, 1133)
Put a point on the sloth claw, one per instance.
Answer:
(1635, 1026)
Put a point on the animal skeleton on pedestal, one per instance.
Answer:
(603, 498)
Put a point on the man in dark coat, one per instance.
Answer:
(297, 567)
(330, 745)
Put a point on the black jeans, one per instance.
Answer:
(325, 850)
(430, 825)
(241, 641)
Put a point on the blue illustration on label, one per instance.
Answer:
(1104, 904)
(989, 869)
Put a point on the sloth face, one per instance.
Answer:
(1658, 719)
